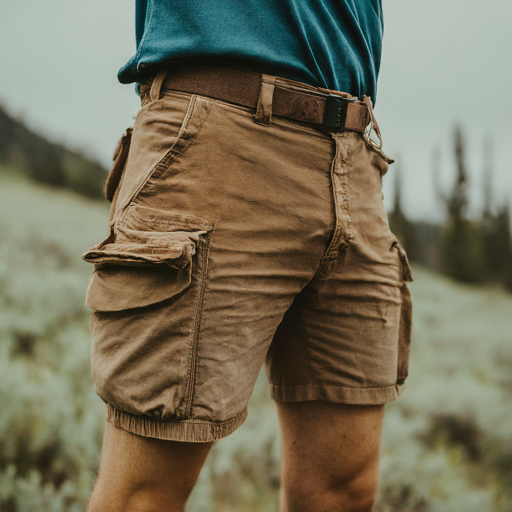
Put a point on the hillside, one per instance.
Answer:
(46, 162)
(447, 441)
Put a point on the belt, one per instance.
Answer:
(332, 110)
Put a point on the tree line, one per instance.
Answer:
(467, 249)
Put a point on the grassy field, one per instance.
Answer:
(447, 442)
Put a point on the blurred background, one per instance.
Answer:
(444, 107)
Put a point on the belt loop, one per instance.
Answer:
(264, 110)
(156, 86)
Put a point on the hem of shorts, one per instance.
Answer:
(190, 431)
(336, 394)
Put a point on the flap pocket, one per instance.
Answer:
(115, 288)
(119, 162)
(147, 258)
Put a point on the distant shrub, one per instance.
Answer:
(455, 431)
(83, 176)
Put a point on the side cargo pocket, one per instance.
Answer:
(147, 258)
(404, 337)
(119, 162)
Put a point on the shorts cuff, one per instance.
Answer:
(190, 431)
(336, 394)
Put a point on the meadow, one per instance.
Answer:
(447, 443)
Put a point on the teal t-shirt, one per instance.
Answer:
(334, 44)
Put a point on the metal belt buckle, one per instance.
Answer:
(335, 113)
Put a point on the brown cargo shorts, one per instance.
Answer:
(232, 244)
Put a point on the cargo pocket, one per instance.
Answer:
(405, 328)
(119, 162)
(147, 258)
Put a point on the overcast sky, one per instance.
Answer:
(444, 62)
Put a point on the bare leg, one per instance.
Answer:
(329, 456)
(141, 474)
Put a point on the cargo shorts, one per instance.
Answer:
(233, 244)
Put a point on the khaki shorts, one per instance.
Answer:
(233, 244)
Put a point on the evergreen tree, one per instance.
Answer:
(460, 242)
(489, 219)
(496, 236)
(487, 179)
(401, 226)
(501, 245)
(497, 246)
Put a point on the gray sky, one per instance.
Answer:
(444, 62)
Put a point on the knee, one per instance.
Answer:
(354, 495)
(359, 495)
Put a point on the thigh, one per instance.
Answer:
(325, 446)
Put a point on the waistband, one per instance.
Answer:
(268, 95)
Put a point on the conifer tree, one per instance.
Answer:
(489, 218)
(496, 236)
(460, 247)
(501, 248)
(401, 226)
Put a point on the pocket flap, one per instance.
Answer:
(116, 288)
(147, 258)
(149, 237)
(175, 251)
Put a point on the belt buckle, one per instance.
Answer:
(335, 113)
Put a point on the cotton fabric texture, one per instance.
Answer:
(231, 245)
(334, 44)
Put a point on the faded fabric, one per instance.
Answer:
(334, 44)
(233, 244)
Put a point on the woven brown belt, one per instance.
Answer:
(331, 110)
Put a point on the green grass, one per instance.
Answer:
(447, 443)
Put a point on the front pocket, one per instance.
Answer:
(147, 258)
(163, 131)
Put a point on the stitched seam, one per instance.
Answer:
(330, 386)
(337, 221)
(346, 198)
(178, 422)
(152, 222)
(189, 395)
(200, 302)
(341, 239)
